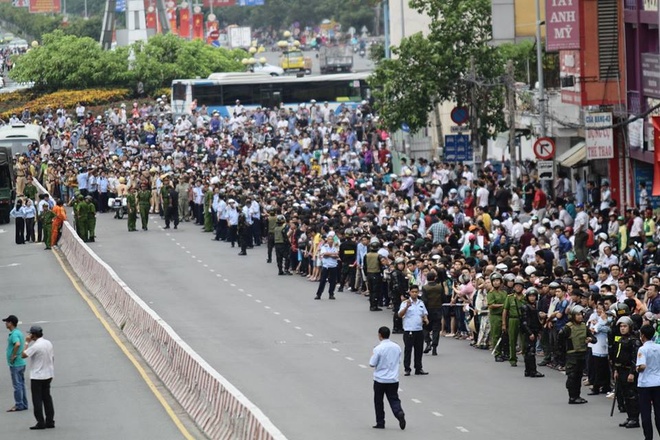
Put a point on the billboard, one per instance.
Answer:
(45, 6)
(599, 136)
(563, 25)
(651, 74)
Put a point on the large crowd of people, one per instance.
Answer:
(561, 274)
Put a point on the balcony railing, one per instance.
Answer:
(631, 5)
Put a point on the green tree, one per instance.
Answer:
(64, 61)
(428, 70)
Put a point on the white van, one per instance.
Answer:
(18, 137)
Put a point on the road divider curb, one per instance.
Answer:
(218, 408)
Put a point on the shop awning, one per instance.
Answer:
(573, 156)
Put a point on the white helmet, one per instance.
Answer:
(541, 230)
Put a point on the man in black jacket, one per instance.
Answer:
(531, 329)
(348, 256)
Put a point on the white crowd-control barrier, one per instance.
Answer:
(215, 405)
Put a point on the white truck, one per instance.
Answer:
(240, 37)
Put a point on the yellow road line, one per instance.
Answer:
(168, 409)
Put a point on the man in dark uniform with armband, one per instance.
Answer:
(272, 222)
(432, 296)
(281, 246)
(398, 288)
(625, 373)
(348, 256)
(530, 322)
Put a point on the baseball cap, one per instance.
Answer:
(11, 318)
(36, 330)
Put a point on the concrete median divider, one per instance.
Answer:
(214, 404)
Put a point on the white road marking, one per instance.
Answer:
(174, 239)
(2, 231)
(218, 275)
(416, 400)
(287, 321)
(12, 265)
(400, 390)
(276, 313)
(249, 295)
(233, 285)
(206, 265)
(212, 270)
(241, 290)
(335, 349)
(178, 244)
(199, 261)
(349, 358)
(362, 366)
(225, 280)
(437, 414)
(267, 307)
(257, 301)
(193, 256)
(187, 252)
(309, 335)
(460, 428)
(167, 234)
(183, 247)
(298, 328)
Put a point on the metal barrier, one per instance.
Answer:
(219, 409)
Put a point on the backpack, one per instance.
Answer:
(590, 238)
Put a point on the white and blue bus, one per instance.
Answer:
(221, 90)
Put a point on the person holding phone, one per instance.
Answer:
(414, 315)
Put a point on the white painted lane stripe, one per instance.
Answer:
(460, 428)
(206, 265)
(334, 349)
(416, 400)
(437, 414)
(298, 328)
(187, 252)
(233, 285)
(267, 307)
(212, 270)
(249, 295)
(257, 301)
(309, 335)
(287, 321)
(362, 366)
(241, 290)
(276, 313)
(349, 358)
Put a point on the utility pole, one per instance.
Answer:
(511, 106)
(386, 27)
(474, 115)
(539, 69)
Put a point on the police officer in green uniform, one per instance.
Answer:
(131, 205)
(511, 318)
(46, 218)
(272, 222)
(144, 201)
(625, 350)
(74, 204)
(433, 293)
(91, 219)
(208, 216)
(82, 210)
(496, 298)
(574, 338)
(30, 190)
(530, 321)
(281, 246)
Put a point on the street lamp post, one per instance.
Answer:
(539, 69)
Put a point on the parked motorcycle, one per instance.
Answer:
(119, 205)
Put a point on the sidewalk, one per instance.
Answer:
(97, 391)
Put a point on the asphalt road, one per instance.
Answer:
(97, 392)
(305, 362)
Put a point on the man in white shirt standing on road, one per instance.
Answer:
(42, 369)
(385, 361)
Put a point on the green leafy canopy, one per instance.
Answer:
(427, 70)
(65, 61)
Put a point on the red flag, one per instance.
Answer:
(198, 26)
(184, 23)
(656, 166)
(151, 20)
